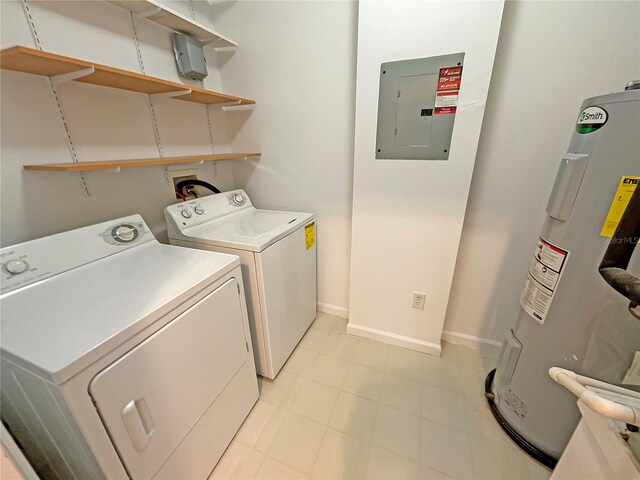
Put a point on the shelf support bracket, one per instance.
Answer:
(227, 104)
(177, 93)
(148, 13)
(71, 76)
(225, 47)
(236, 107)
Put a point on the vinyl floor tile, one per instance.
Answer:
(345, 407)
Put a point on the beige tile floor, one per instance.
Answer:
(347, 407)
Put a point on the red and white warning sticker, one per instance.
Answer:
(542, 281)
(448, 89)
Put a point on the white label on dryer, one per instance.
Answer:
(542, 280)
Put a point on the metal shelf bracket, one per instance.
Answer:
(71, 76)
(235, 107)
(222, 48)
(227, 104)
(175, 93)
(148, 13)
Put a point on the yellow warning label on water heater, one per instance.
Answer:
(626, 187)
(310, 234)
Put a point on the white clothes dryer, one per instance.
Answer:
(277, 251)
(123, 357)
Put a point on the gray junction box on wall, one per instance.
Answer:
(417, 107)
(189, 57)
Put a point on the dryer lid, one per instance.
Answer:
(61, 325)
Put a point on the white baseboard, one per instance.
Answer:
(395, 339)
(470, 341)
(333, 310)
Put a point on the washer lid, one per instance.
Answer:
(59, 326)
(252, 229)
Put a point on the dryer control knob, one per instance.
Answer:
(238, 199)
(16, 267)
(126, 233)
(186, 213)
(199, 210)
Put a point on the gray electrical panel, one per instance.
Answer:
(189, 57)
(417, 107)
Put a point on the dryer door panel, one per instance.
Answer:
(152, 397)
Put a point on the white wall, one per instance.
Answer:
(551, 55)
(408, 215)
(298, 61)
(104, 123)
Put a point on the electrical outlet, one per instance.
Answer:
(418, 300)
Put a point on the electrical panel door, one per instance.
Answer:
(417, 106)
(414, 117)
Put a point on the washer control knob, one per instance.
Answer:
(199, 210)
(238, 199)
(16, 267)
(186, 213)
(125, 233)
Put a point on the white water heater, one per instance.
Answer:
(567, 315)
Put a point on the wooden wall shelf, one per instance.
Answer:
(29, 60)
(175, 21)
(143, 162)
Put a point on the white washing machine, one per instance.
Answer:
(277, 251)
(122, 357)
